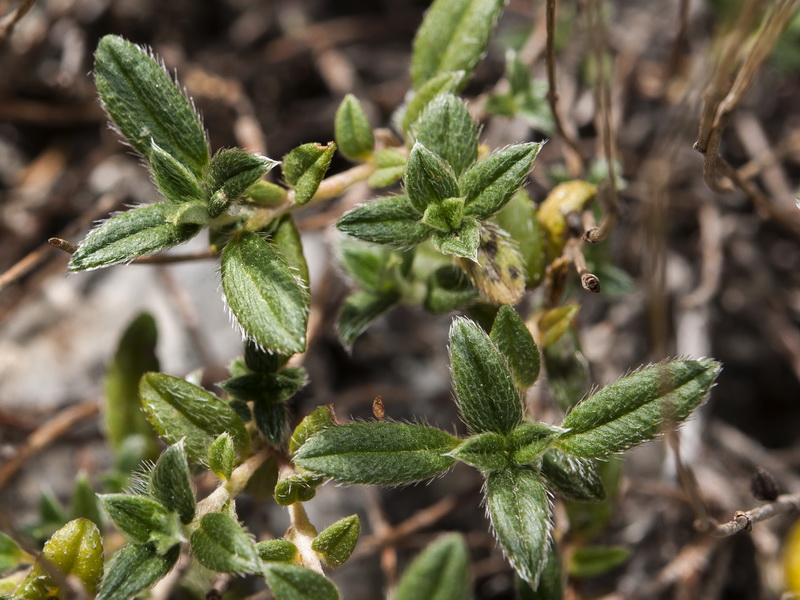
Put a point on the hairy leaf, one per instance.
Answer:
(171, 484)
(377, 453)
(638, 407)
(146, 105)
(266, 298)
(392, 221)
(336, 542)
(453, 37)
(518, 218)
(286, 241)
(408, 114)
(519, 508)
(231, 174)
(129, 235)
(299, 487)
(487, 397)
(485, 451)
(390, 167)
(305, 167)
(220, 544)
(178, 409)
(134, 569)
(515, 342)
(142, 520)
(440, 572)
(276, 550)
(462, 242)
(175, 181)
(312, 424)
(529, 441)
(221, 456)
(291, 582)
(572, 477)
(447, 129)
(352, 129)
(489, 184)
(429, 179)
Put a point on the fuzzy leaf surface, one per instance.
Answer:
(286, 241)
(143, 520)
(515, 342)
(175, 181)
(221, 456)
(292, 582)
(392, 221)
(337, 541)
(300, 487)
(135, 356)
(638, 407)
(390, 167)
(75, 550)
(352, 130)
(231, 174)
(572, 477)
(409, 113)
(447, 129)
(489, 184)
(462, 242)
(520, 511)
(518, 218)
(129, 235)
(178, 409)
(377, 453)
(221, 544)
(311, 424)
(487, 397)
(453, 36)
(264, 295)
(146, 105)
(485, 451)
(135, 568)
(276, 550)
(440, 572)
(529, 441)
(171, 483)
(429, 179)
(305, 167)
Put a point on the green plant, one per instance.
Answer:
(462, 235)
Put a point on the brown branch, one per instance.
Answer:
(743, 520)
(45, 435)
(10, 21)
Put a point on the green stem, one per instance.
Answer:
(215, 501)
(302, 535)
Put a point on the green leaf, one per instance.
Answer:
(551, 581)
(449, 289)
(299, 487)
(518, 218)
(276, 550)
(231, 174)
(637, 408)
(485, 451)
(487, 397)
(591, 561)
(489, 184)
(291, 582)
(408, 114)
(221, 544)
(444, 216)
(497, 269)
(555, 322)
(304, 168)
(392, 221)
(447, 129)
(142, 520)
(270, 415)
(587, 520)
(268, 301)
(221, 456)
(134, 569)
(428, 178)
(75, 550)
(529, 441)
(462, 242)
(572, 477)
(11, 555)
(336, 542)
(129, 235)
(377, 453)
(374, 268)
(135, 356)
(261, 360)
(312, 424)
(264, 193)
(175, 182)
(390, 167)
(440, 572)
(359, 310)
(352, 129)
(567, 370)
(193, 212)
(146, 105)
(453, 36)
(520, 511)
(515, 342)
(178, 409)
(171, 483)
(287, 243)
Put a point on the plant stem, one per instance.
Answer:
(302, 535)
(215, 501)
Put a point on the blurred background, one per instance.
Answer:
(699, 272)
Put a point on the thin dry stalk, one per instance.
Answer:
(744, 520)
(10, 21)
